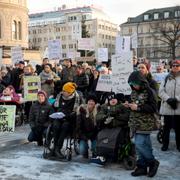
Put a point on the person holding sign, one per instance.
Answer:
(39, 118)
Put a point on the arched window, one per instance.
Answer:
(19, 30)
(14, 30)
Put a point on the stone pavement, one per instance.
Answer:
(19, 136)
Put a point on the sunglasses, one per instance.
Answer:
(175, 65)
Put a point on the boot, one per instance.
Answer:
(58, 153)
(153, 167)
(164, 148)
(139, 171)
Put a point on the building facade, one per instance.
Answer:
(66, 25)
(155, 29)
(13, 25)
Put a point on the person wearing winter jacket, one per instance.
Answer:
(143, 105)
(169, 93)
(39, 118)
(86, 125)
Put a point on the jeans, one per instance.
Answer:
(83, 146)
(143, 149)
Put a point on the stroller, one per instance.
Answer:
(115, 145)
(71, 141)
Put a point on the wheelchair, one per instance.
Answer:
(72, 143)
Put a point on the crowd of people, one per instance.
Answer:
(71, 89)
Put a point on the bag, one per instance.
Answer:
(108, 142)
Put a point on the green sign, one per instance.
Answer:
(7, 118)
(32, 84)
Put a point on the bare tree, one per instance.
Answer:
(168, 33)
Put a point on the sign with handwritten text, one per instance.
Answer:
(122, 67)
(104, 83)
(7, 118)
(54, 49)
(122, 44)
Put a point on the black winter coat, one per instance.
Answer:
(39, 114)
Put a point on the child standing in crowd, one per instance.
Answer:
(142, 122)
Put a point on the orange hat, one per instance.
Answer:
(69, 87)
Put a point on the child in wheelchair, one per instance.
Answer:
(113, 141)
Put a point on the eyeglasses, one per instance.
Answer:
(175, 65)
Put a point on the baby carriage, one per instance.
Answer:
(115, 145)
(71, 141)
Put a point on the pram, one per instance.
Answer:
(71, 142)
(115, 145)
(19, 119)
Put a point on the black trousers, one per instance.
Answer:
(61, 130)
(171, 122)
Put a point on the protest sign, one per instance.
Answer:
(104, 83)
(102, 54)
(134, 41)
(54, 49)
(16, 54)
(122, 67)
(122, 44)
(86, 44)
(7, 118)
(73, 55)
(32, 84)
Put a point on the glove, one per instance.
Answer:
(172, 102)
(108, 120)
(49, 81)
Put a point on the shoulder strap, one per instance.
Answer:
(166, 79)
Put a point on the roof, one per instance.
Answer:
(140, 18)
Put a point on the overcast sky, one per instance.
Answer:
(119, 10)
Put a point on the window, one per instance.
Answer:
(64, 46)
(156, 15)
(130, 30)
(70, 46)
(14, 30)
(146, 17)
(166, 15)
(177, 13)
(19, 30)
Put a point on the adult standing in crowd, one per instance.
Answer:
(48, 77)
(16, 76)
(142, 122)
(40, 68)
(169, 93)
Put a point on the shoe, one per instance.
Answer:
(139, 171)
(98, 160)
(164, 148)
(58, 154)
(153, 167)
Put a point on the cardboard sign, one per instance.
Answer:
(122, 44)
(86, 44)
(32, 84)
(7, 118)
(16, 54)
(122, 67)
(102, 54)
(54, 49)
(104, 83)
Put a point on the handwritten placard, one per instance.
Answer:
(122, 67)
(54, 49)
(122, 44)
(86, 44)
(103, 54)
(7, 118)
(16, 54)
(104, 83)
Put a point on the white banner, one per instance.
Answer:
(16, 54)
(54, 49)
(86, 44)
(122, 44)
(104, 83)
(134, 41)
(102, 54)
(122, 67)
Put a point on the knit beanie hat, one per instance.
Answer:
(69, 87)
(42, 92)
(92, 97)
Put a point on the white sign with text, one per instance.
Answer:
(122, 67)
(102, 54)
(86, 44)
(122, 44)
(16, 54)
(104, 83)
(54, 49)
